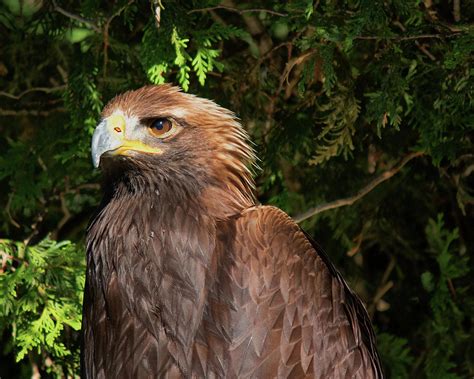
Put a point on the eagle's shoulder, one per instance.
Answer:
(272, 246)
(267, 211)
(268, 218)
(266, 226)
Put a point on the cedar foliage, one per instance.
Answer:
(334, 94)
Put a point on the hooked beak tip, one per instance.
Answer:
(102, 141)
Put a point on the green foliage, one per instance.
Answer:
(41, 288)
(340, 116)
(445, 329)
(334, 94)
(186, 54)
(396, 354)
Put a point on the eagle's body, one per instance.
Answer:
(188, 277)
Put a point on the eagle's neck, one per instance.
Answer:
(218, 196)
(154, 256)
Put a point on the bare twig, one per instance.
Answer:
(62, 72)
(268, 54)
(290, 65)
(361, 193)
(408, 38)
(5, 257)
(381, 291)
(422, 48)
(87, 186)
(35, 371)
(157, 6)
(73, 16)
(35, 226)
(384, 286)
(388, 270)
(66, 215)
(30, 90)
(284, 78)
(239, 11)
(452, 290)
(358, 243)
(7, 210)
(106, 33)
(29, 112)
(457, 10)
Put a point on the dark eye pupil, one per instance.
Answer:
(159, 124)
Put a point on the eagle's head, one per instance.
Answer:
(158, 138)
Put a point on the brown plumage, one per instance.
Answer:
(187, 276)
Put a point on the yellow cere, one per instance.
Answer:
(116, 125)
(116, 122)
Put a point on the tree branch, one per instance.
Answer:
(384, 286)
(239, 11)
(408, 38)
(73, 16)
(422, 48)
(457, 10)
(361, 193)
(29, 112)
(5, 256)
(106, 33)
(35, 89)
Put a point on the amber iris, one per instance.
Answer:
(161, 127)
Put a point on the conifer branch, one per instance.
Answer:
(106, 33)
(73, 16)
(361, 193)
(408, 38)
(239, 11)
(29, 90)
(421, 47)
(29, 112)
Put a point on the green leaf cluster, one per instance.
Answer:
(42, 288)
(444, 330)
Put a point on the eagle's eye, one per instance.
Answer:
(161, 127)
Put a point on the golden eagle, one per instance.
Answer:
(187, 276)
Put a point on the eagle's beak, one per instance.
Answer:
(108, 136)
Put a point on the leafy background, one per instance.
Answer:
(361, 112)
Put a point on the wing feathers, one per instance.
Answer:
(302, 318)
